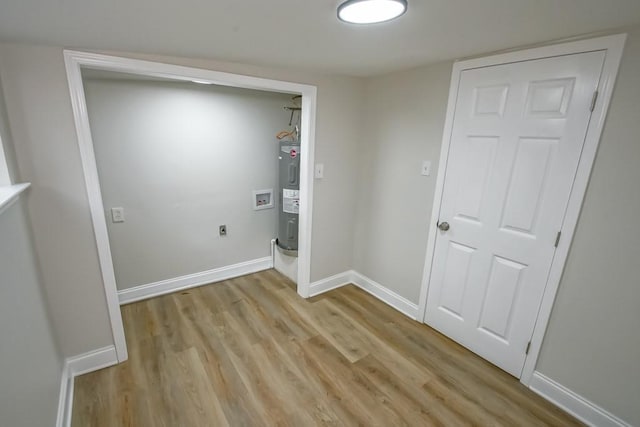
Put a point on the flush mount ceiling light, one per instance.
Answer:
(371, 11)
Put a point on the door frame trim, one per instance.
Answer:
(75, 60)
(613, 46)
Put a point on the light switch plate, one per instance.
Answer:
(426, 168)
(319, 171)
(117, 214)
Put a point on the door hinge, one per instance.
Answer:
(558, 239)
(528, 348)
(593, 101)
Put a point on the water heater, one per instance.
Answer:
(289, 189)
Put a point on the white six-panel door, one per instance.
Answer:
(518, 132)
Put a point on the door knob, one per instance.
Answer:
(444, 226)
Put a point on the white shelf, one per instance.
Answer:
(9, 193)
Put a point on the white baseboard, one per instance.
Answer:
(374, 288)
(65, 398)
(385, 295)
(78, 365)
(584, 410)
(92, 361)
(329, 283)
(138, 293)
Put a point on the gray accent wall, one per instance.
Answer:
(182, 159)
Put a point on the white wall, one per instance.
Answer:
(46, 148)
(7, 157)
(40, 117)
(5, 178)
(592, 344)
(182, 159)
(405, 114)
(30, 363)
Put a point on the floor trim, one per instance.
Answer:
(368, 285)
(79, 365)
(68, 407)
(92, 361)
(329, 283)
(65, 398)
(581, 408)
(386, 295)
(150, 290)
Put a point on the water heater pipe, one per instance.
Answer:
(273, 253)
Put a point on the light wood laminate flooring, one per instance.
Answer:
(251, 352)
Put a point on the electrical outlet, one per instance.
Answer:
(223, 230)
(117, 214)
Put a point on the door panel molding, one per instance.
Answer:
(612, 46)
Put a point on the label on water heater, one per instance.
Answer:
(290, 201)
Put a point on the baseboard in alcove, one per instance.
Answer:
(368, 285)
(162, 287)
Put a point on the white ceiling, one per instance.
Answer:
(306, 33)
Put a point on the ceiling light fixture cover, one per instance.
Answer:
(371, 11)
